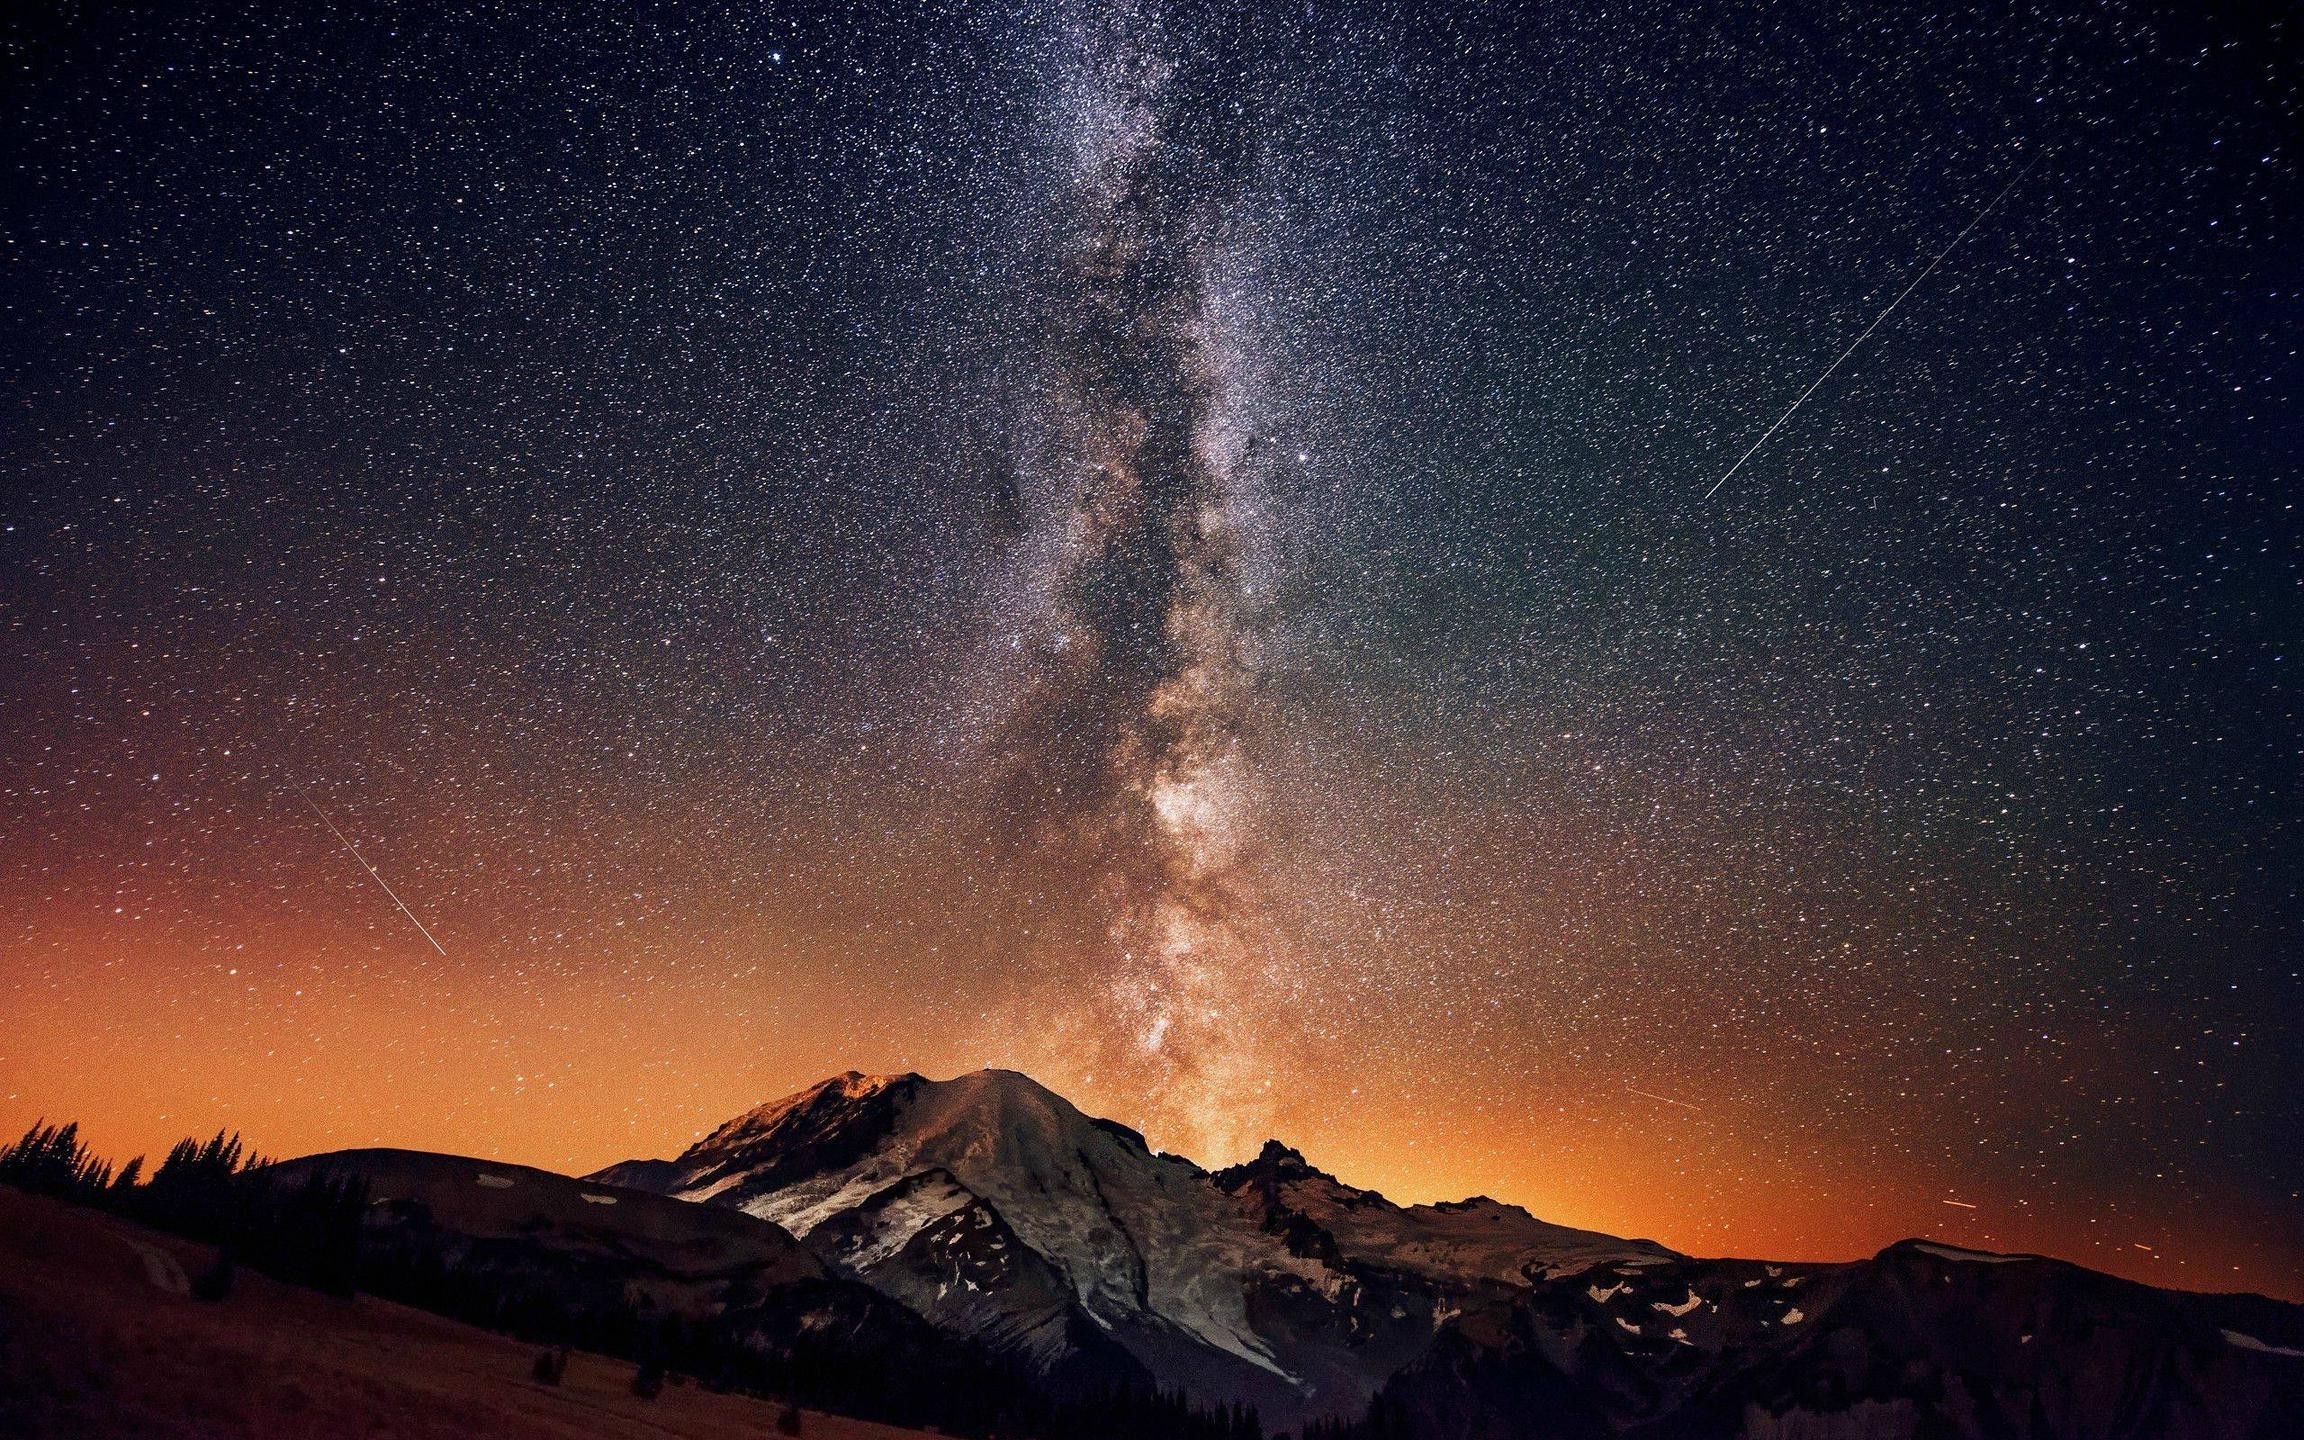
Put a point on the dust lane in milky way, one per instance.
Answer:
(1133, 749)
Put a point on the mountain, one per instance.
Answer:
(1921, 1340)
(1002, 1213)
(996, 1210)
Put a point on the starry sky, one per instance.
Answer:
(1174, 547)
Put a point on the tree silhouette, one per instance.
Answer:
(51, 1160)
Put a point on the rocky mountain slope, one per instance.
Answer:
(994, 1208)
(1454, 1241)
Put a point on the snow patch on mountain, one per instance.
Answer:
(2250, 1342)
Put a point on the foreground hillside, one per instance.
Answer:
(98, 1339)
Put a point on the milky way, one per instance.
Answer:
(1135, 743)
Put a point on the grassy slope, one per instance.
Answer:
(91, 1347)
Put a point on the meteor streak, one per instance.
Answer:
(1989, 207)
(1663, 1099)
(381, 882)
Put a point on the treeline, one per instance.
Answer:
(212, 1191)
(749, 1348)
(779, 1347)
(1386, 1419)
(318, 1232)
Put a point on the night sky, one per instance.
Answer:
(1169, 548)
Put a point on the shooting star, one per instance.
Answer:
(1961, 1203)
(1663, 1099)
(1877, 321)
(381, 882)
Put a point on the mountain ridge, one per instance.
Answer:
(1006, 1216)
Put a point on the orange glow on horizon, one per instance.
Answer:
(583, 1072)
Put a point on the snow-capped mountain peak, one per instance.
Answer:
(1143, 1248)
(994, 1206)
